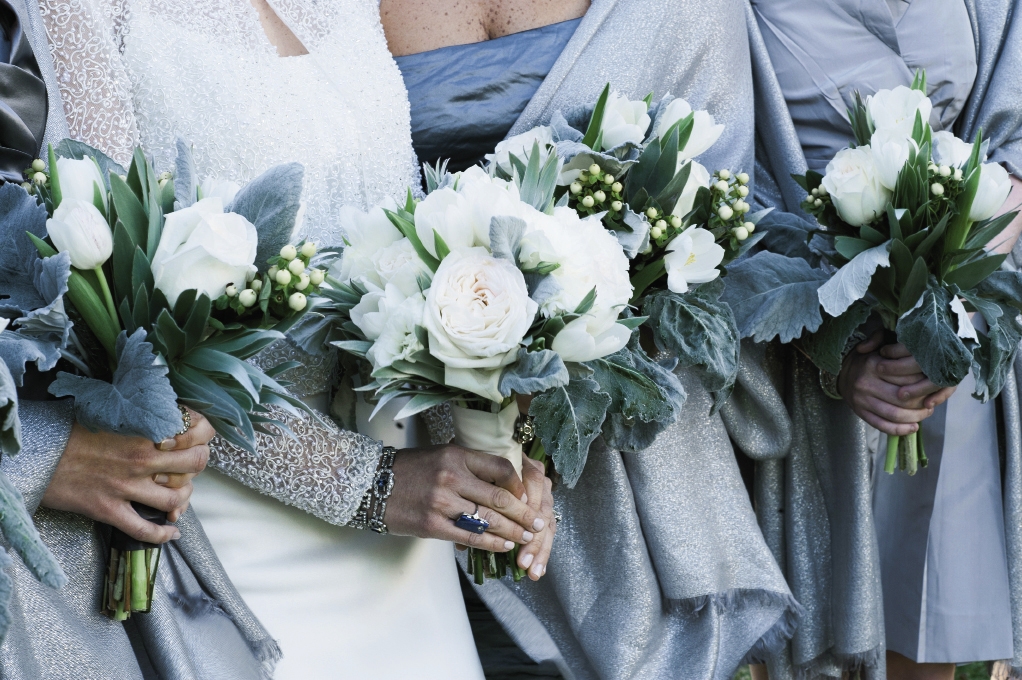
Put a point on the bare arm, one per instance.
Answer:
(1004, 242)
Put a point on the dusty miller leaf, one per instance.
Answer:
(10, 424)
(506, 236)
(851, 282)
(826, 347)
(19, 213)
(20, 532)
(929, 333)
(271, 202)
(16, 350)
(533, 372)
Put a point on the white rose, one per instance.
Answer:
(204, 248)
(397, 339)
(365, 234)
(521, 146)
(224, 189)
(376, 307)
(79, 229)
(623, 121)
(949, 150)
(444, 212)
(852, 182)
(894, 111)
(994, 187)
(698, 177)
(589, 257)
(692, 257)
(704, 131)
(477, 312)
(399, 264)
(890, 153)
(79, 179)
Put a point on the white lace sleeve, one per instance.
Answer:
(85, 45)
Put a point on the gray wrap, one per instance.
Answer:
(815, 506)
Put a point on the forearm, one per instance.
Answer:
(1005, 241)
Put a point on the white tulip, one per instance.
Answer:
(576, 341)
(949, 150)
(852, 182)
(224, 189)
(521, 146)
(205, 249)
(894, 111)
(704, 131)
(890, 153)
(692, 257)
(79, 179)
(698, 177)
(994, 187)
(623, 121)
(79, 229)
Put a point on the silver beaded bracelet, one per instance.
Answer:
(374, 502)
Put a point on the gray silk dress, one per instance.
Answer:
(922, 566)
(658, 569)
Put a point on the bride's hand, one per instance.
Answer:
(101, 473)
(536, 555)
(433, 486)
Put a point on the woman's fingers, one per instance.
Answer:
(895, 351)
(534, 478)
(895, 414)
(871, 343)
(199, 433)
(127, 520)
(538, 563)
(900, 366)
(172, 480)
(161, 497)
(886, 426)
(495, 470)
(502, 526)
(918, 390)
(938, 398)
(444, 529)
(190, 461)
(501, 500)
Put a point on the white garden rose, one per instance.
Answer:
(204, 248)
(224, 189)
(949, 150)
(589, 257)
(399, 264)
(623, 121)
(994, 187)
(374, 310)
(851, 179)
(698, 177)
(397, 339)
(79, 229)
(521, 146)
(477, 313)
(894, 111)
(79, 179)
(692, 257)
(365, 234)
(890, 153)
(704, 131)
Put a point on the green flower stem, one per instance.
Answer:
(139, 581)
(911, 454)
(891, 462)
(645, 278)
(107, 297)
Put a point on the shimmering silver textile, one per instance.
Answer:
(815, 506)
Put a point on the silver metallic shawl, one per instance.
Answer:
(815, 506)
(659, 569)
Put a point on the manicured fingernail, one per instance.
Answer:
(525, 498)
(177, 535)
(161, 479)
(537, 570)
(538, 524)
(167, 444)
(526, 537)
(526, 561)
(508, 545)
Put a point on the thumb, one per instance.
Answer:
(871, 343)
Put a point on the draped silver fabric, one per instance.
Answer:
(659, 569)
(815, 506)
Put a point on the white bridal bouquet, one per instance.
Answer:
(142, 292)
(482, 293)
(631, 166)
(906, 214)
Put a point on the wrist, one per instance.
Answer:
(371, 512)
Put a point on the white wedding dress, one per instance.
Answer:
(342, 603)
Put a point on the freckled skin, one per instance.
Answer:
(414, 26)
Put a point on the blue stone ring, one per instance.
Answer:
(473, 522)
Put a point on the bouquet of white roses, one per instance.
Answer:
(483, 292)
(632, 166)
(153, 295)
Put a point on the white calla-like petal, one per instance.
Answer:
(80, 230)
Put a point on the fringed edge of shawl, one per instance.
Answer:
(850, 663)
(733, 601)
(268, 654)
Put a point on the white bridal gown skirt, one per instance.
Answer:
(342, 603)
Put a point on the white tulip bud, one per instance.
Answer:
(303, 282)
(721, 186)
(288, 252)
(617, 187)
(231, 291)
(944, 171)
(743, 191)
(725, 212)
(600, 196)
(38, 165)
(656, 232)
(743, 177)
(741, 233)
(273, 271)
(818, 202)
(283, 277)
(588, 201)
(296, 302)
(79, 229)
(256, 285)
(316, 276)
(651, 213)
(616, 206)
(296, 267)
(39, 178)
(661, 225)
(937, 189)
(594, 169)
(749, 227)
(308, 249)
(608, 179)
(724, 174)
(675, 221)
(247, 297)
(575, 187)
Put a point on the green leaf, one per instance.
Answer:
(129, 211)
(932, 238)
(407, 229)
(172, 337)
(1003, 286)
(971, 275)
(121, 261)
(914, 286)
(849, 246)
(827, 346)
(141, 273)
(988, 229)
(195, 325)
(596, 120)
(587, 302)
(632, 394)
(55, 192)
(212, 361)
(929, 332)
(442, 250)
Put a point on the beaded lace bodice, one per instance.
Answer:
(148, 71)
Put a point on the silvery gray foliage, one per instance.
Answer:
(567, 133)
(774, 296)
(16, 350)
(139, 402)
(787, 234)
(701, 331)
(186, 177)
(568, 419)
(632, 427)
(506, 237)
(635, 241)
(19, 213)
(829, 345)
(928, 332)
(69, 148)
(49, 320)
(271, 202)
(533, 372)
(10, 425)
